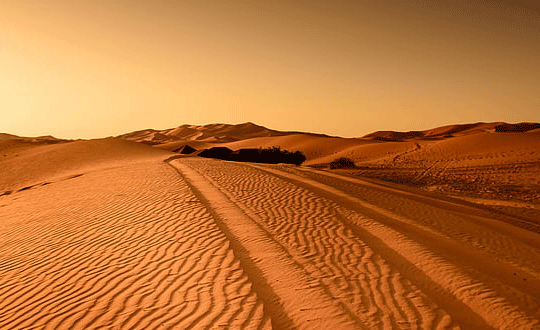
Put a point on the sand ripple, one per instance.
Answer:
(125, 248)
(391, 259)
(312, 230)
(191, 243)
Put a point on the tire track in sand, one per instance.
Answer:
(126, 247)
(312, 232)
(295, 299)
(481, 283)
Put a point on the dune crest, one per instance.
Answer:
(479, 160)
(453, 130)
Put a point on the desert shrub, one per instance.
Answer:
(217, 153)
(342, 162)
(273, 155)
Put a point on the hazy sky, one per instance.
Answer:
(99, 68)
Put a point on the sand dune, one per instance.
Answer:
(377, 147)
(115, 234)
(453, 130)
(489, 161)
(209, 133)
(26, 164)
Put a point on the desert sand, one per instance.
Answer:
(436, 229)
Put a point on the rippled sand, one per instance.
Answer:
(130, 237)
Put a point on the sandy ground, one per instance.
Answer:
(124, 236)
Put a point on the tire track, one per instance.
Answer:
(471, 226)
(315, 234)
(485, 286)
(295, 299)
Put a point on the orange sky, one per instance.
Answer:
(99, 68)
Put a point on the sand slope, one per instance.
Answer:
(26, 164)
(124, 246)
(209, 133)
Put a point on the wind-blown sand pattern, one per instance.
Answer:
(327, 230)
(143, 239)
(129, 247)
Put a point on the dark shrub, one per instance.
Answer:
(342, 163)
(521, 127)
(217, 153)
(246, 155)
(272, 155)
(275, 155)
(297, 158)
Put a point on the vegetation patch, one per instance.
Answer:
(273, 155)
(342, 162)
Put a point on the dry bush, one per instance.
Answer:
(342, 162)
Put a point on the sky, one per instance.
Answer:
(86, 69)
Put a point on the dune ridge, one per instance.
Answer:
(453, 130)
(214, 133)
(30, 164)
(478, 161)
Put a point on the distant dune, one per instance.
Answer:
(212, 133)
(453, 130)
(489, 160)
(381, 146)
(476, 158)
